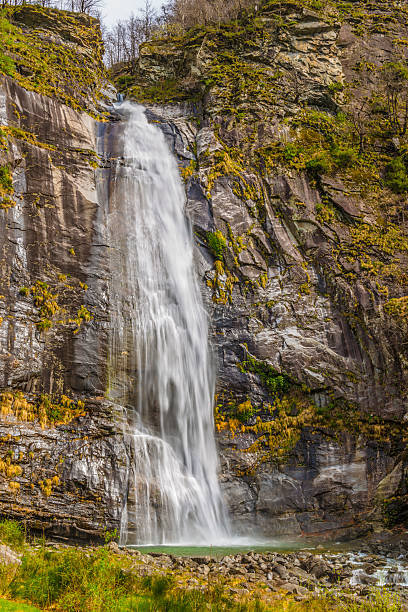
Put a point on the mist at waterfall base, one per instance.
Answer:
(160, 335)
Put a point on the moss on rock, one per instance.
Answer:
(54, 53)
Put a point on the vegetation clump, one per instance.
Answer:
(12, 534)
(83, 315)
(6, 179)
(222, 283)
(397, 308)
(276, 382)
(394, 509)
(322, 144)
(217, 243)
(273, 429)
(396, 175)
(40, 62)
(47, 302)
(6, 188)
(48, 411)
(7, 33)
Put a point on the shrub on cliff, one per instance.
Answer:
(217, 244)
(6, 180)
(319, 164)
(7, 65)
(344, 156)
(12, 534)
(396, 176)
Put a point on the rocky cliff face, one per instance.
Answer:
(62, 461)
(294, 164)
(287, 144)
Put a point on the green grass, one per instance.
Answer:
(76, 580)
(72, 580)
(12, 606)
(190, 601)
(97, 580)
(12, 534)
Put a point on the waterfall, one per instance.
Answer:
(159, 342)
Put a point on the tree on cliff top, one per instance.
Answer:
(81, 6)
(123, 40)
(84, 6)
(190, 13)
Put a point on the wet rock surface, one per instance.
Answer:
(329, 485)
(73, 476)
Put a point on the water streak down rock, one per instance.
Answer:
(159, 336)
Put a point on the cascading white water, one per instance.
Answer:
(160, 335)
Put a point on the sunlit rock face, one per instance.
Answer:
(289, 288)
(72, 476)
(329, 482)
(50, 236)
(64, 473)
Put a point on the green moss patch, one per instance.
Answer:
(276, 382)
(217, 243)
(54, 53)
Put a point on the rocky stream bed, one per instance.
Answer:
(352, 576)
(370, 575)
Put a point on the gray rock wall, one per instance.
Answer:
(72, 478)
(328, 485)
(55, 234)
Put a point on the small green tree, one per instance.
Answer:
(394, 79)
(7, 30)
(217, 243)
(396, 176)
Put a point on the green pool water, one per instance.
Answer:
(216, 552)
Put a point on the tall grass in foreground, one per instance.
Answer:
(78, 580)
(98, 581)
(12, 534)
